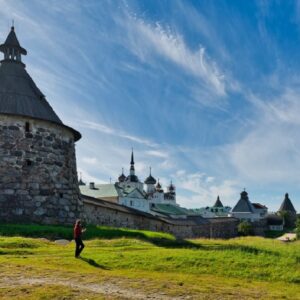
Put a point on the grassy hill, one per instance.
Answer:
(131, 264)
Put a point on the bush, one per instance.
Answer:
(245, 228)
(298, 228)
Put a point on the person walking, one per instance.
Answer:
(78, 230)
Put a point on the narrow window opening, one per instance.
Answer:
(61, 195)
(27, 127)
(28, 162)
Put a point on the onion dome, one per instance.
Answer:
(158, 187)
(132, 178)
(122, 177)
(171, 187)
(150, 179)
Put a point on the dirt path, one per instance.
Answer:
(103, 288)
(288, 237)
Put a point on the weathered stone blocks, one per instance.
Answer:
(38, 177)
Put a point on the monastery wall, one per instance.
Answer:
(259, 227)
(38, 172)
(109, 214)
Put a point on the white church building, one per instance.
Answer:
(130, 191)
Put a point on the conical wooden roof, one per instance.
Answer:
(218, 203)
(243, 205)
(287, 205)
(19, 95)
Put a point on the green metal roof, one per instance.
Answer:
(100, 190)
(170, 209)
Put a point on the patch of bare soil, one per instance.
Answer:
(104, 288)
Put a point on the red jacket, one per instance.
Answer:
(77, 231)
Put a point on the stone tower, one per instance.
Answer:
(38, 176)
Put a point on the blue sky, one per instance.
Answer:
(206, 92)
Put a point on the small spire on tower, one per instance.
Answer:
(11, 48)
(132, 157)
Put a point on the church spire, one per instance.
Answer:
(11, 48)
(132, 170)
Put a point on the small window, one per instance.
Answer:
(28, 162)
(61, 195)
(27, 127)
(131, 203)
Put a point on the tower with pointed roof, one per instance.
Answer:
(288, 211)
(245, 210)
(38, 164)
(218, 203)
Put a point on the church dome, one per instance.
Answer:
(132, 178)
(122, 178)
(171, 187)
(150, 180)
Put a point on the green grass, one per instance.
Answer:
(244, 268)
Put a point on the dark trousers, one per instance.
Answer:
(79, 246)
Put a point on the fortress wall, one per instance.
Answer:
(38, 178)
(98, 213)
(259, 227)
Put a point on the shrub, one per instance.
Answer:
(245, 228)
(298, 228)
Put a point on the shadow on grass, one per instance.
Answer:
(240, 248)
(53, 232)
(91, 262)
(155, 238)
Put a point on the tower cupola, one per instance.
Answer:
(11, 48)
(159, 187)
(171, 188)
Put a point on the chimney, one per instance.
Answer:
(92, 185)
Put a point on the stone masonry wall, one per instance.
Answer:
(38, 177)
(99, 215)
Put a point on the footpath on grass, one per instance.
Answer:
(104, 288)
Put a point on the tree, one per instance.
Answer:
(298, 228)
(289, 219)
(245, 228)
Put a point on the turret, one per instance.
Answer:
(158, 187)
(11, 47)
(218, 203)
(172, 189)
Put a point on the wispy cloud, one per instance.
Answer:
(117, 133)
(148, 39)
